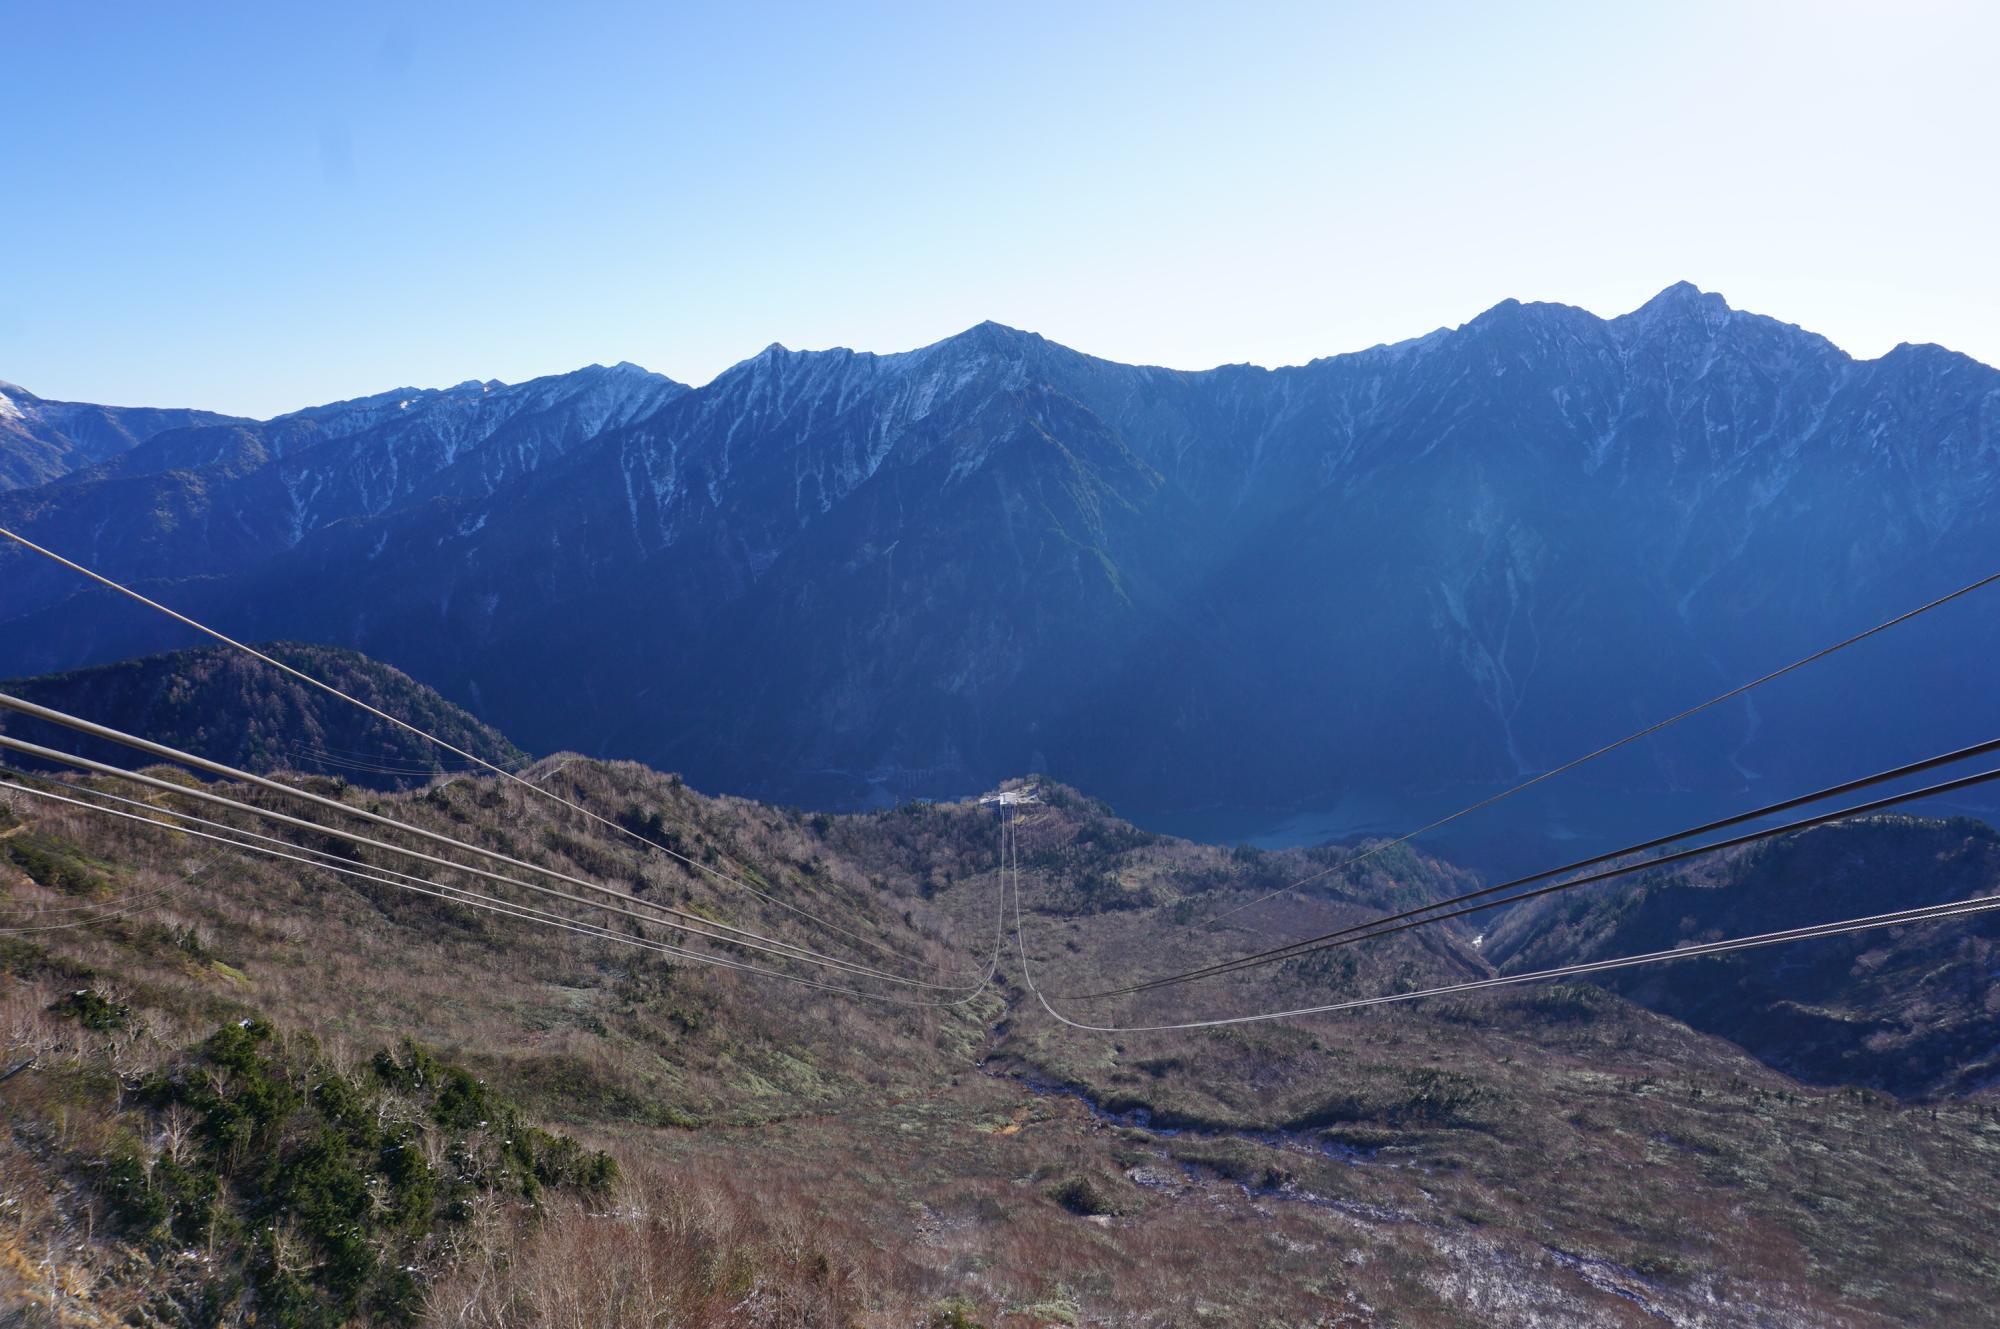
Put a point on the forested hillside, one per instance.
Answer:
(227, 707)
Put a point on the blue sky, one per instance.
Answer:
(256, 207)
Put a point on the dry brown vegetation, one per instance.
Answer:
(793, 1158)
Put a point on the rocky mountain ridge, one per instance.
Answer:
(834, 576)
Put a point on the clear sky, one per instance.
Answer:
(260, 206)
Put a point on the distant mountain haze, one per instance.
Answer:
(1396, 577)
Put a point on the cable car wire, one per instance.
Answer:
(306, 678)
(1898, 918)
(1409, 918)
(462, 895)
(229, 772)
(688, 923)
(1633, 737)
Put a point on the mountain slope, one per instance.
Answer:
(1913, 1011)
(786, 1156)
(41, 440)
(219, 703)
(216, 499)
(1411, 572)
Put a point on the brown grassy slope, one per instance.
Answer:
(591, 1030)
(1544, 1157)
(1910, 1010)
(1559, 1117)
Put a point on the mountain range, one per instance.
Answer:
(836, 578)
(45, 440)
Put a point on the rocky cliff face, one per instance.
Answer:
(831, 575)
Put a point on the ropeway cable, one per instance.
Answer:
(447, 765)
(105, 911)
(423, 886)
(694, 924)
(341, 864)
(1633, 737)
(233, 773)
(236, 837)
(332, 860)
(310, 762)
(454, 894)
(461, 895)
(1409, 918)
(304, 677)
(1925, 914)
(347, 759)
(208, 796)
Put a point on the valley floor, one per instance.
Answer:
(1555, 1157)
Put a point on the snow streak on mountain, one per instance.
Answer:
(831, 576)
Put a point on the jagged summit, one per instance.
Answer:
(827, 571)
(471, 390)
(986, 338)
(1682, 301)
(1905, 352)
(1682, 304)
(989, 334)
(906, 542)
(1683, 295)
(1513, 322)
